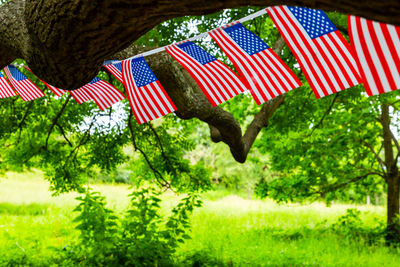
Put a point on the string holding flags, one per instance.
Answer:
(264, 73)
(328, 62)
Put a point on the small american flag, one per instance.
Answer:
(58, 92)
(80, 95)
(55, 90)
(376, 48)
(146, 95)
(102, 93)
(217, 81)
(25, 88)
(320, 49)
(261, 70)
(115, 68)
(5, 88)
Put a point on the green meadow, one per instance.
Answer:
(228, 230)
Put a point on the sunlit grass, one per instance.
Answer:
(227, 230)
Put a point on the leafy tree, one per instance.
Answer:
(319, 148)
(70, 141)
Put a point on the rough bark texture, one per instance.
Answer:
(66, 41)
(392, 178)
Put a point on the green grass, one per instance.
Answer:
(227, 231)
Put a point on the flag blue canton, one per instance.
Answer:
(95, 80)
(1, 74)
(247, 40)
(197, 52)
(315, 22)
(16, 74)
(117, 64)
(142, 73)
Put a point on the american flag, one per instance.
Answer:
(146, 95)
(80, 95)
(261, 70)
(376, 48)
(25, 88)
(115, 68)
(58, 92)
(5, 88)
(102, 93)
(320, 49)
(217, 81)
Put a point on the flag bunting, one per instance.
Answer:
(329, 63)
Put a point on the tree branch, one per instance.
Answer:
(334, 187)
(328, 110)
(66, 41)
(160, 178)
(380, 160)
(63, 134)
(54, 122)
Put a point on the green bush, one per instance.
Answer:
(351, 227)
(141, 238)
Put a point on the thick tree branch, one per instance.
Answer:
(66, 41)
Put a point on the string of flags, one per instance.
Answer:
(330, 64)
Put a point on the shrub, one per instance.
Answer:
(143, 237)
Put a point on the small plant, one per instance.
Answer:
(142, 238)
(352, 227)
(98, 230)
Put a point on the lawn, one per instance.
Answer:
(227, 231)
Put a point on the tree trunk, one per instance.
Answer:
(393, 210)
(392, 178)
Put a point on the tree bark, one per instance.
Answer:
(392, 178)
(393, 199)
(66, 41)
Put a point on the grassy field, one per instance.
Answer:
(227, 231)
